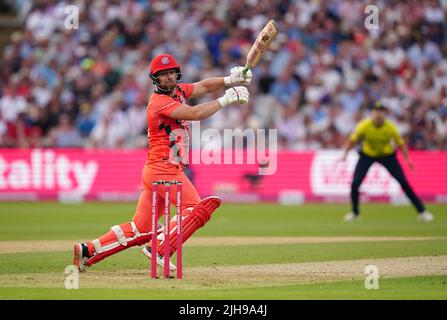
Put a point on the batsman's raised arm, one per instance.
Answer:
(204, 110)
(207, 86)
(213, 84)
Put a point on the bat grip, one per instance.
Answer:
(245, 70)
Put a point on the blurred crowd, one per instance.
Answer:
(89, 86)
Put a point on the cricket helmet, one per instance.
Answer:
(163, 62)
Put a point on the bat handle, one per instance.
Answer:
(244, 72)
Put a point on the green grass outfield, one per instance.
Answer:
(273, 252)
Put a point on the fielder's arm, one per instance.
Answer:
(404, 149)
(353, 139)
(400, 142)
(349, 144)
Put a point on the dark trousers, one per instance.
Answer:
(393, 167)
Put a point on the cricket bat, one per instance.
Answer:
(263, 41)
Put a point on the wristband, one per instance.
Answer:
(223, 101)
(227, 81)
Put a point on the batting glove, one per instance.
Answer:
(233, 95)
(236, 77)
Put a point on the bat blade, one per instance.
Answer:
(263, 41)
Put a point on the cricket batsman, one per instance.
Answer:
(168, 118)
(376, 135)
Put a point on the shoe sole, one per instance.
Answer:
(77, 257)
(146, 253)
(161, 265)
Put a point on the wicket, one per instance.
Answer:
(167, 231)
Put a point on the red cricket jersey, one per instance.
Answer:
(168, 138)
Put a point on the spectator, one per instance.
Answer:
(323, 58)
(112, 129)
(85, 121)
(291, 128)
(138, 124)
(64, 134)
(352, 98)
(3, 129)
(12, 104)
(286, 89)
(21, 134)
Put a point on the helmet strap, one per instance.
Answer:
(160, 90)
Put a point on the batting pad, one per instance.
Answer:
(196, 219)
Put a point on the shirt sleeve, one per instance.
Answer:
(396, 135)
(164, 106)
(188, 89)
(357, 134)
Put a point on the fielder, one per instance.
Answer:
(376, 135)
(167, 118)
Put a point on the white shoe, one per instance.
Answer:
(350, 217)
(79, 259)
(426, 216)
(160, 260)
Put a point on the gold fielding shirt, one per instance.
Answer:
(377, 141)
